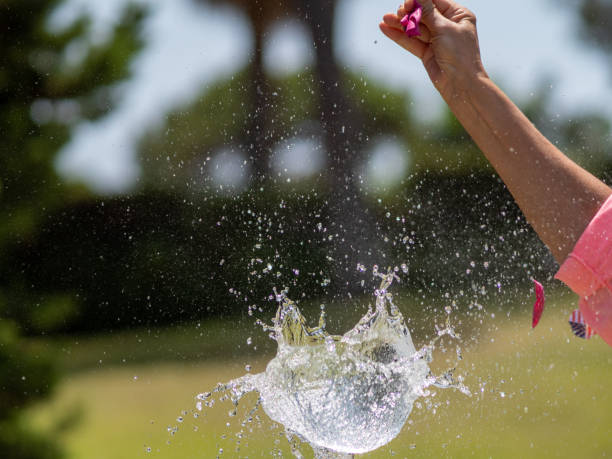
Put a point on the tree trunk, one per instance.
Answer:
(342, 124)
(257, 144)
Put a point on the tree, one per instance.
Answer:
(340, 119)
(596, 17)
(41, 97)
(256, 141)
(587, 135)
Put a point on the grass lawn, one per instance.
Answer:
(536, 394)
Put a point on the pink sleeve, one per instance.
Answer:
(588, 272)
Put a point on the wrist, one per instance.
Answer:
(465, 83)
(465, 89)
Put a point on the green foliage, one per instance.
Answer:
(158, 258)
(451, 182)
(596, 18)
(174, 157)
(24, 378)
(587, 141)
(41, 96)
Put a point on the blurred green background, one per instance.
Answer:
(118, 304)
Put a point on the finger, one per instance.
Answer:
(393, 21)
(413, 45)
(446, 7)
(425, 35)
(431, 16)
(408, 6)
(401, 11)
(453, 11)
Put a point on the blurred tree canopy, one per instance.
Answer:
(596, 16)
(42, 94)
(592, 132)
(183, 245)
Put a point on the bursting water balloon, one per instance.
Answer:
(347, 394)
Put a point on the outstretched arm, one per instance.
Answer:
(557, 196)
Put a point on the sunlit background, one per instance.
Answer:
(190, 45)
(167, 164)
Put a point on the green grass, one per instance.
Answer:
(537, 394)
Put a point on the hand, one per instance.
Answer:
(448, 44)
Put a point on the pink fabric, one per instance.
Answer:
(411, 21)
(588, 272)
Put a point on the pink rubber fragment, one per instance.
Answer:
(411, 21)
(538, 307)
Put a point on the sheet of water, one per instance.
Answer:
(345, 394)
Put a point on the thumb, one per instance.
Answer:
(431, 16)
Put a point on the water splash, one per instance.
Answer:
(345, 394)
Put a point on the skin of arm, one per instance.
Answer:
(557, 196)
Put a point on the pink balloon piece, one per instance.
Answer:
(538, 307)
(411, 21)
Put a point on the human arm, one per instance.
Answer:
(557, 196)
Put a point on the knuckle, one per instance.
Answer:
(428, 7)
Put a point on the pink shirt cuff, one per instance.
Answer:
(588, 272)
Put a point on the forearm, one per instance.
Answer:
(558, 197)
